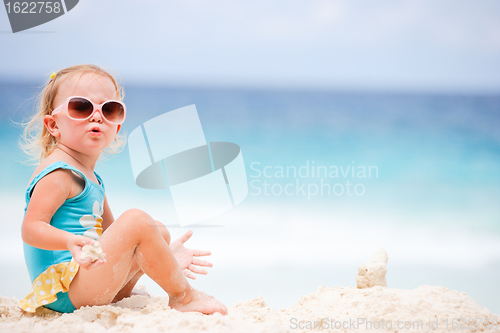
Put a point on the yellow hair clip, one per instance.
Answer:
(53, 75)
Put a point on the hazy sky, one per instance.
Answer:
(429, 45)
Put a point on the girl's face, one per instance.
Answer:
(89, 136)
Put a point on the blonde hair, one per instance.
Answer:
(36, 140)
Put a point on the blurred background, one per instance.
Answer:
(410, 89)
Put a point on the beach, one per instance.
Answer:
(295, 140)
(370, 306)
(329, 309)
(431, 201)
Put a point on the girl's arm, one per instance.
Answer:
(47, 196)
(107, 216)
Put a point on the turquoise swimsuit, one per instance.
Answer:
(51, 272)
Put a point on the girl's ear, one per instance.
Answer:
(51, 125)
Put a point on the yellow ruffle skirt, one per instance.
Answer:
(54, 279)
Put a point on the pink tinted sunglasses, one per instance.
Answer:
(81, 108)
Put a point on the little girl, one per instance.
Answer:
(80, 115)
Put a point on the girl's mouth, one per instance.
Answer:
(95, 131)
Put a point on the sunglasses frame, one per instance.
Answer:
(64, 107)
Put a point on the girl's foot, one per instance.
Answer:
(197, 301)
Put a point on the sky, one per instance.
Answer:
(443, 46)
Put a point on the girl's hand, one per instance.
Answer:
(75, 245)
(186, 257)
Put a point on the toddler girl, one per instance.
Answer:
(66, 209)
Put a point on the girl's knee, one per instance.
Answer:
(137, 218)
(140, 222)
(164, 231)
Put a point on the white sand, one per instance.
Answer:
(93, 251)
(339, 305)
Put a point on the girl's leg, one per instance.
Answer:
(134, 236)
(126, 290)
(135, 272)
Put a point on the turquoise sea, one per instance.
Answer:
(431, 199)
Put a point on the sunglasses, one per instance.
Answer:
(81, 108)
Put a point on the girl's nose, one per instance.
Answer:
(96, 116)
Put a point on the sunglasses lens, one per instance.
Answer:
(113, 111)
(80, 108)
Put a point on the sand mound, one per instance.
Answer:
(336, 309)
(372, 273)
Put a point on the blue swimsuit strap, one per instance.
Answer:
(52, 167)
